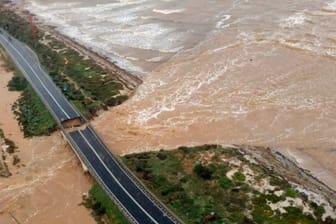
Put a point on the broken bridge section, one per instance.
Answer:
(74, 122)
(138, 204)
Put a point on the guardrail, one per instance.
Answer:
(32, 84)
(49, 78)
(93, 172)
(85, 163)
(34, 87)
(138, 183)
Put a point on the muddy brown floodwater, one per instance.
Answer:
(266, 78)
(228, 72)
(49, 185)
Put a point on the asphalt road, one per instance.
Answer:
(28, 63)
(140, 206)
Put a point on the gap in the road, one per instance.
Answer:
(74, 124)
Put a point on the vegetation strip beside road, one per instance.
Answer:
(87, 95)
(35, 120)
(103, 210)
(215, 184)
(87, 85)
(32, 115)
(89, 88)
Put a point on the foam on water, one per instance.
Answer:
(168, 11)
(331, 6)
(141, 26)
(244, 72)
(222, 22)
(155, 59)
(294, 20)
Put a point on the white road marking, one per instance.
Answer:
(42, 70)
(131, 179)
(67, 115)
(102, 182)
(115, 179)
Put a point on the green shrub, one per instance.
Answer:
(161, 155)
(318, 210)
(196, 199)
(202, 172)
(101, 205)
(17, 83)
(34, 118)
(291, 192)
(239, 176)
(225, 182)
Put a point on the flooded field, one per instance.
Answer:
(227, 72)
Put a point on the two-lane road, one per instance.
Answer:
(133, 199)
(138, 204)
(27, 62)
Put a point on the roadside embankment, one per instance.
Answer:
(47, 183)
(89, 85)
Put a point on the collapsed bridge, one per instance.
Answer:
(137, 203)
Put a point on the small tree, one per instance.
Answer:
(202, 171)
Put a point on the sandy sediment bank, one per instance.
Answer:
(295, 172)
(319, 163)
(48, 185)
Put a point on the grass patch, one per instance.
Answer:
(102, 208)
(239, 176)
(291, 193)
(225, 182)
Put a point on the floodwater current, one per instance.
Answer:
(228, 72)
